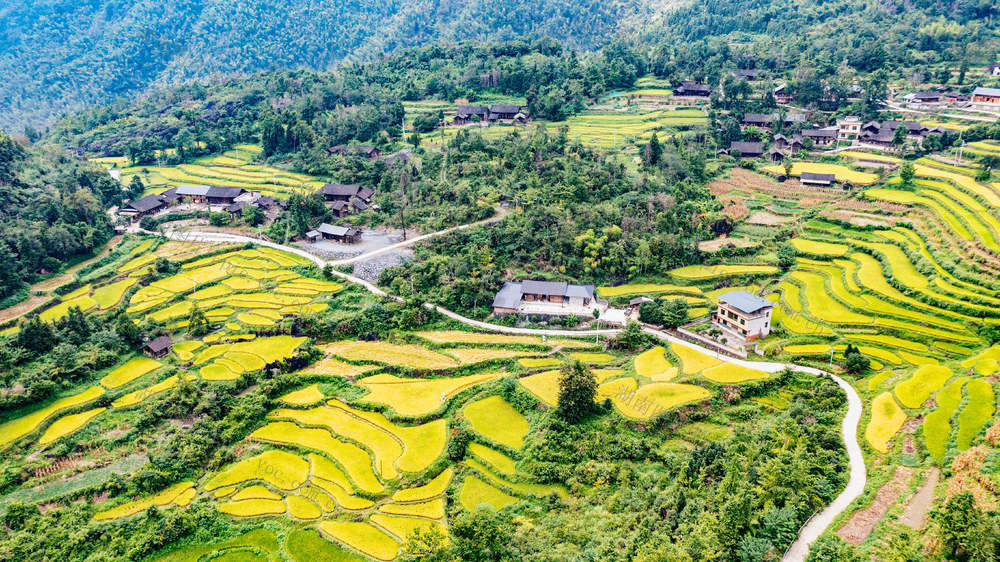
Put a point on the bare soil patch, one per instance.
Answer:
(768, 219)
(719, 243)
(916, 511)
(860, 525)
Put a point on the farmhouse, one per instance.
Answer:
(505, 112)
(372, 153)
(468, 113)
(747, 149)
(923, 97)
(401, 157)
(750, 75)
(342, 234)
(544, 297)
(142, 207)
(782, 93)
(217, 195)
(192, 193)
(759, 120)
(849, 128)
(819, 180)
(744, 313)
(160, 347)
(822, 137)
(693, 89)
(993, 70)
(794, 142)
(775, 154)
(346, 192)
(987, 98)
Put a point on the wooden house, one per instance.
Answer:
(158, 348)
(471, 114)
(218, 195)
(344, 192)
(502, 112)
(987, 98)
(341, 234)
(145, 206)
(817, 180)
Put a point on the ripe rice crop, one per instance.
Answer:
(185, 350)
(728, 373)
(133, 369)
(111, 294)
(357, 463)
(889, 340)
(470, 355)
(422, 444)
(407, 355)
(252, 508)
(693, 361)
(255, 492)
(325, 469)
(927, 379)
(807, 349)
(475, 492)
(239, 283)
(137, 397)
(495, 419)
(887, 418)
(68, 424)
(817, 248)
(652, 362)
(544, 385)
(301, 508)
(341, 497)
(645, 289)
(218, 371)
(403, 527)
(535, 363)
(432, 489)
(161, 499)
(842, 173)
(976, 413)
(592, 357)
(937, 424)
(337, 368)
(22, 426)
(821, 305)
(362, 537)
(84, 303)
(697, 272)
(496, 460)
(281, 469)
(304, 397)
(539, 490)
(416, 397)
(433, 509)
(654, 398)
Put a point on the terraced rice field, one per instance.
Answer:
(416, 397)
(978, 412)
(647, 289)
(926, 380)
(133, 369)
(698, 272)
(498, 421)
(17, 428)
(842, 173)
(937, 424)
(608, 129)
(886, 419)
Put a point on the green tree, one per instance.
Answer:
(830, 548)
(252, 216)
(966, 532)
(484, 535)
(675, 313)
(577, 390)
(197, 322)
(127, 329)
(899, 136)
(786, 256)
(906, 173)
(653, 152)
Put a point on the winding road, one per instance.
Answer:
(849, 427)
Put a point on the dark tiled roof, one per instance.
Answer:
(532, 287)
(472, 110)
(224, 192)
(505, 108)
(147, 203)
(159, 344)
(747, 147)
(340, 189)
(509, 296)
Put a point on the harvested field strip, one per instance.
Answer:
(977, 412)
(432, 489)
(497, 420)
(17, 428)
(356, 462)
(475, 492)
(470, 355)
(887, 418)
(937, 424)
(456, 336)
(842, 173)
(888, 340)
(696, 272)
(67, 425)
(133, 369)
(281, 469)
(416, 397)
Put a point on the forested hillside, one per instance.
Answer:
(57, 56)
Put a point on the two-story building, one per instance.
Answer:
(745, 314)
(849, 128)
(552, 298)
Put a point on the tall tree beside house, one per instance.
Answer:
(899, 136)
(577, 391)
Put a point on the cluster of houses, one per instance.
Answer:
(884, 134)
(980, 98)
(220, 198)
(505, 113)
(343, 199)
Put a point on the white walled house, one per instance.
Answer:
(744, 313)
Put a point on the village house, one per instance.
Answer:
(746, 149)
(218, 195)
(750, 75)
(192, 193)
(782, 94)
(158, 348)
(342, 234)
(794, 143)
(689, 89)
(141, 207)
(849, 128)
(371, 153)
(759, 120)
(346, 192)
(923, 97)
(822, 137)
(986, 98)
(549, 298)
(775, 154)
(471, 114)
(502, 112)
(745, 314)
(400, 157)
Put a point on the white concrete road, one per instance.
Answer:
(849, 428)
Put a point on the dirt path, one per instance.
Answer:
(860, 525)
(916, 511)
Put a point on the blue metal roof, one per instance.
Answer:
(745, 301)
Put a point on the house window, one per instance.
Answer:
(742, 321)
